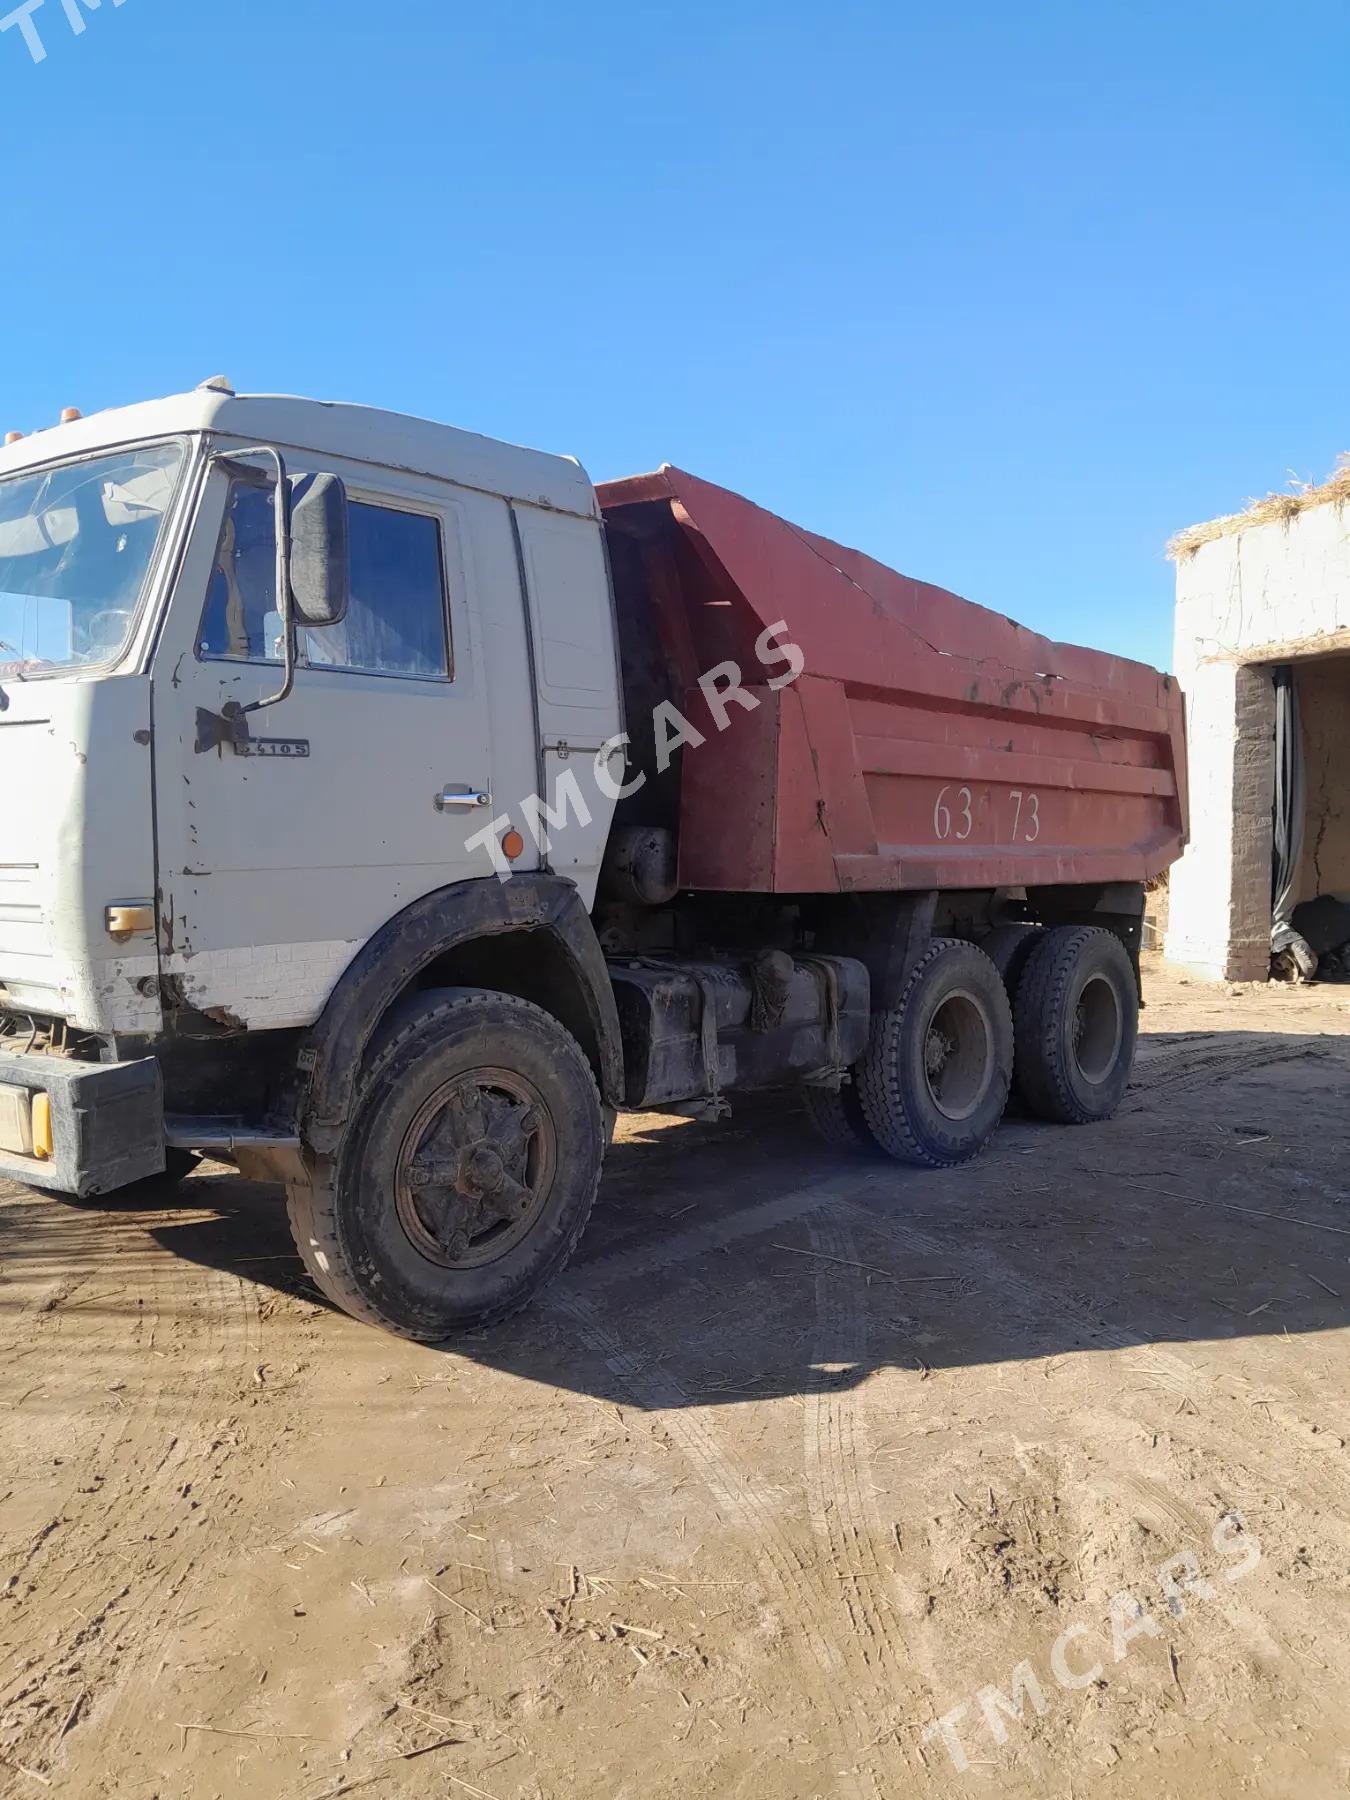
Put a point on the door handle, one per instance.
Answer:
(459, 798)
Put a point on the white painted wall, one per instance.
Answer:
(1271, 593)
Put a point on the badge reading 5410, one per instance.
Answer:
(294, 749)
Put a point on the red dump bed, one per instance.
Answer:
(929, 743)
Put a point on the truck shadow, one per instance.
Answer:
(744, 1261)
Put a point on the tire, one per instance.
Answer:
(466, 1174)
(838, 1120)
(938, 1067)
(1077, 1024)
(1009, 948)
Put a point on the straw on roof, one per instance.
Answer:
(1334, 491)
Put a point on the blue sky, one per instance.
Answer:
(1004, 295)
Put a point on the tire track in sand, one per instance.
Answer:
(793, 1580)
(838, 1460)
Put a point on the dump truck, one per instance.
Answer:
(383, 809)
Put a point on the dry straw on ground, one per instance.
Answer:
(1281, 508)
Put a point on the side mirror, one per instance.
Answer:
(320, 556)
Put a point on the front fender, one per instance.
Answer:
(387, 966)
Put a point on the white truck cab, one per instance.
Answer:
(138, 594)
(285, 689)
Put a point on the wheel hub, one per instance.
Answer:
(1097, 1030)
(958, 1055)
(481, 1172)
(475, 1168)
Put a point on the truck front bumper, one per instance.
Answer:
(80, 1128)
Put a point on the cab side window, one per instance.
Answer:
(398, 623)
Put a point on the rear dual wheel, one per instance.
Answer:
(1010, 948)
(1077, 1023)
(1062, 1005)
(934, 1081)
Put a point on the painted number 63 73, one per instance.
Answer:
(954, 815)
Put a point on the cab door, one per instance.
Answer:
(357, 793)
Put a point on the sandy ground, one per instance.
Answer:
(802, 1455)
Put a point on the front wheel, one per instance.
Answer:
(468, 1171)
(936, 1073)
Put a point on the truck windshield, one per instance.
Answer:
(76, 545)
